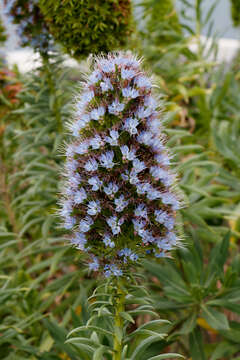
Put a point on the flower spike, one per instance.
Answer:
(119, 200)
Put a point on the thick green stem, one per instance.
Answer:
(118, 324)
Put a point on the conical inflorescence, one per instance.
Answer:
(119, 199)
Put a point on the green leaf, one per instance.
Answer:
(189, 324)
(196, 345)
(86, 328)
(219, 255)
(223, 350)
(127, 317)
(167, 356)
(144, 344)
(214, 318)
(98, 354)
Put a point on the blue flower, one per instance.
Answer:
(162, 159)
(97, 113)
(126, 61)
(69, 222)
(96, 142)
(161, 174)
(82, 148)
(69, 191)
(128, 154)
(150, 102)
(106, 160)
(170, 199)
(116, 271)
(171, 238)
(95, 182)
(160, 216)
(164, 245)
(159, 255)
(143, 82)
(143, 188)
(106, 85)
(147, 236)
(75, 180)
(120, 61)
(114, 223)
(77, 126)
(124, 252)
(67, 208)
(154, 126)
(111, 189)
(141, 211)
(138, 166)
(116, 107)
(80, 196)
(95, 77)
(87, 96)
(107, 271)
(113, 138)
(138, 226)
(129, 92)
(131, 62)
(71, 166)
(164, 218)
(157, 145)
(91, 165)
(128, 253)
(154, 194)
(70, 151)
(79, 240)
(143, 113)
(131, 177)
(112, 270)
(120, 203)
(94, 207)
(94, 265)
(107, 66)
(145, 138)
(131, 126)
(127, 74)
(85, 224)
(108, 241)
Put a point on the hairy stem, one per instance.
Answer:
(118, 323)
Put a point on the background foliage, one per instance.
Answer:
(32, 28)
(85, 27)
(44, 283)
(235, 12)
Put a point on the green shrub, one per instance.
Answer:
(162, 21)
(3, 36)
(85, 27)
(236, 12)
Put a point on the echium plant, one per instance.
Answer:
(120, 197)
(32, 28)
(90, 26)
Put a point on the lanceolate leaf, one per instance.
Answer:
(214, 318)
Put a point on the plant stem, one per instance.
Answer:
(118, 323)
